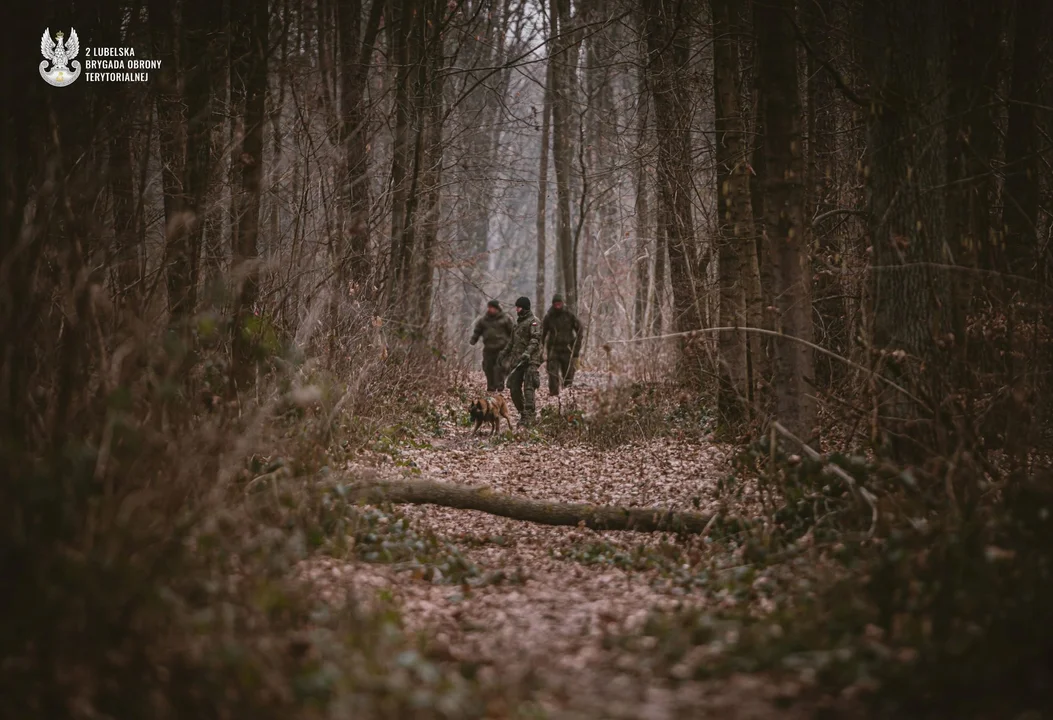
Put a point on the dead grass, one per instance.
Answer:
(150, 542)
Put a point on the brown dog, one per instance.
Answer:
(489, 409)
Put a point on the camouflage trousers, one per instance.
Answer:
(522, 383)
(560, 367)
(495, 375)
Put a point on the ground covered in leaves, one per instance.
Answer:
(578, 618)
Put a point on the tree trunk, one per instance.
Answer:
(907, 180)
(126, 250)
(200, 18)
(643, 217)
(601, 125)
(1020, 200)
(973, 76)
(542, 512)
(238, 62)
(820, 193)
(254, 15)
(658, 281)
(215, 250)
(757, 359)
(760, 295)
(277, 107)
(784, 216)
(1022, 160)
(563, 146)
(356, 47)
(399, 25)
(542, 180)
(735, 218)
(126, 114)
(432, 92)
(172, 127)
(668, 65)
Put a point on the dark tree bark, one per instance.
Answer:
(601, 123)
(644, 251)
(432, 94)
(215, 248)
(172, 126)
(563, 145)
(669, 52)
(200, 45)
(763, 303)
(784, 212)
(122, 190)
(542, 181)
(1020, 200)
(905, 55)
(735, 217)
(400, 32)
(817, 17)
(237, 63)
(125, 112)
(1022, 161)
(356, 47)
(658, 279)
(976, 26)
(251, 78)
(973, 76)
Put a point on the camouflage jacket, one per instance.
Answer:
(525, 345)
(495, 331)
(562, 332)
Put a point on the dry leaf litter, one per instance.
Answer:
(545, 624)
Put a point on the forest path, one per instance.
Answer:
(566, 589)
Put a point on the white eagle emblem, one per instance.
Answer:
(60, 56)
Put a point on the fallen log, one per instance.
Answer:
(543, 512)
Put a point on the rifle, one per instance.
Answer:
(518, 365)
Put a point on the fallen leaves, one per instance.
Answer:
(554, 596)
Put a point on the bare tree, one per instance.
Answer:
(735, 216)
(784, 211)
(1021, 190)
(642, 207)
(356, 47)
(669, 53)
(250, 77)
(542, 178)
(817, 19)
(906, 171)
(172, 122)
(431, 92)
(562, 43)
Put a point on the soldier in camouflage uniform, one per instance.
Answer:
(523, 354)
(561, 335)
(495, 328)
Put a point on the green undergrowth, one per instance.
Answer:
(340, 528)
(674, 564)
(330, 523)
